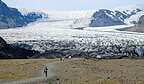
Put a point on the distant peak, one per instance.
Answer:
(129, 8)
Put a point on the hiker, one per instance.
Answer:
(45, 71)
(62, 59)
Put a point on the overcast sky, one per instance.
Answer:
(70, 4)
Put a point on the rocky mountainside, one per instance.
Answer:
(12, 52)
(106, 17)
(12, 17)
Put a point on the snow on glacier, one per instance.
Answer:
(60, 29)
(108, 28)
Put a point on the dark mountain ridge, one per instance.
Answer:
(11, 17)
(8, 51)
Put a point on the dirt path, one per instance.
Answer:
(39, 77)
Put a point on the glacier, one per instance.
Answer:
(58, 37)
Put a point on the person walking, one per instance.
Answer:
(62, 59)
(46, 71)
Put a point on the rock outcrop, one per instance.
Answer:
(8, 51)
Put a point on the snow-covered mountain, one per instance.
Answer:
(134, 18)
(99, 18)
(11, 17)
(33, 15)
(105, 17)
